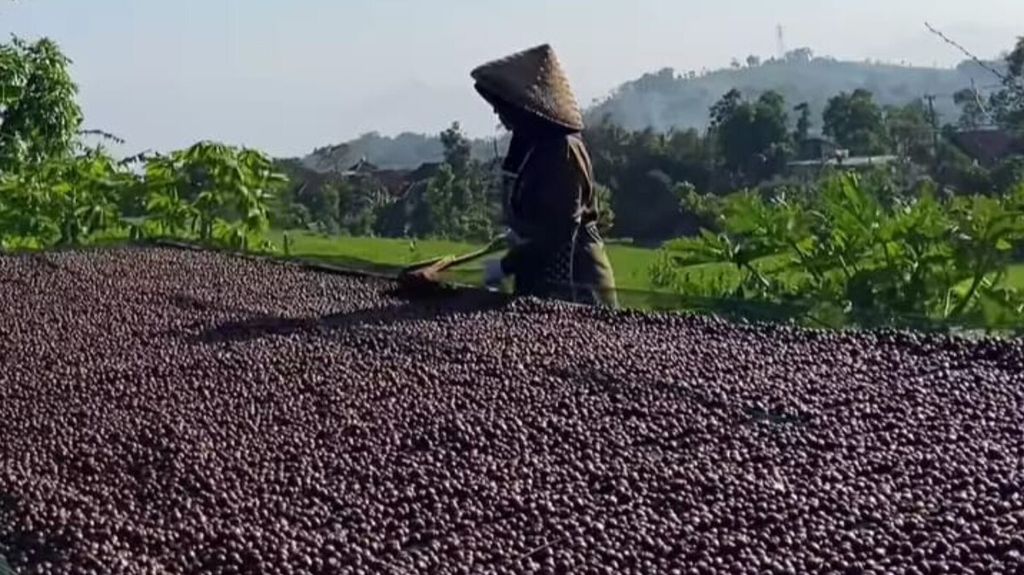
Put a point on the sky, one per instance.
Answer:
(287, 76)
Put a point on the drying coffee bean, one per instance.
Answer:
(185, 412)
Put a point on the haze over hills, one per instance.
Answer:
(403, 151)
(671, 100)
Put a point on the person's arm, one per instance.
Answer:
(550, 195)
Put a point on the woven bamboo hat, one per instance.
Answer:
(534, 81)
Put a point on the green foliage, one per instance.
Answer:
(803, 123)
(641, 169)
(910, 131)
(440, 204)
(456, 207)
(357, 207)
(457, 149)
(1012, 97)
(606, 214)
(1007, 175)
(39, 118)
(1004, 107)
(752, 137)
(857, 252)
(973, 114)
(457, 203)
(855, 121)
(212, 191)
(61, 201)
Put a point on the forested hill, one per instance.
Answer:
(669, 99)
(404, 151)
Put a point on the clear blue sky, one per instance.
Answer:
(289, 75)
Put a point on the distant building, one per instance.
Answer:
(816, 153)
(361, 168)
(816, 148)
(988, 146)
(391, 183)
(424, 172)
(809, 170)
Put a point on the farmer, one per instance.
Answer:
(550, 205)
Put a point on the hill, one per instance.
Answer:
(668, 100)
(404, 151)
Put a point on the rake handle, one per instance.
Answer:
(445, 262)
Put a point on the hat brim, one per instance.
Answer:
(532, 81)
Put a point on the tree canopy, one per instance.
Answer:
(39, 116)
(856, 122)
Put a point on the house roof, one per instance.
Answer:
(394, 181)
(853, 162)
(987, 144)
(361, 168)
(426, 170)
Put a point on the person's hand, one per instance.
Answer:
(493, 274)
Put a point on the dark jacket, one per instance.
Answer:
(552, 205)
(550, 189)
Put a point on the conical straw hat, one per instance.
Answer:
(534, 81)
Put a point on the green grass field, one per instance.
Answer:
(386, 255)
(631, 263)
(390, 255)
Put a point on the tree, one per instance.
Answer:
(753, 61)
(771, 128)
(800, 56)
(1008, 175)
(725, 108)
(1016, 61)
(52, 189)
(1013, 93)
(1006, 106)
(222, 192)
(61, 201)
(440, 204)
(39, 117)
(855, 121)
(457, 148)
(752, 138)
(972, 111)
(640, 169)
(455, 203)
(803, 123)
(357, 205)
(910, 130)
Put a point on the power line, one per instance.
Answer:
(1002, 77)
